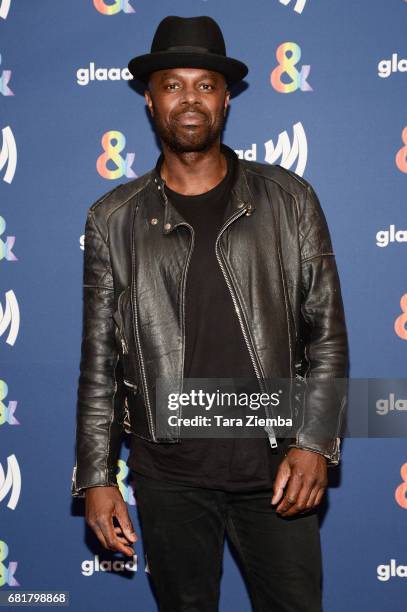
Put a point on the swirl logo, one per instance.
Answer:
(298, 7)
(8, 154)
(4, 8)
(11, 482)
(10, 317)
(288, 153)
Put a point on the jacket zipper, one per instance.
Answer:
(140, 355)
(122, 334)
(184, 277)
(268, 429)
(191, 247)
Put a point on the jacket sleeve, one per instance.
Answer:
(99, 401)
(326, 346)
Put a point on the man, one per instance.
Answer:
(208, 266)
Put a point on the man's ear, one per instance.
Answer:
(227, 100)
(149, 101)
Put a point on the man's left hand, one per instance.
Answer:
(306, 474)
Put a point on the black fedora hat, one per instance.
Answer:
(188, 42)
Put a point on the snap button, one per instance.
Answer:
(158, 187)
(167, 226)
(240, 204)
(156, 180)
(154, 221)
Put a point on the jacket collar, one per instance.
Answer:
(239, 198)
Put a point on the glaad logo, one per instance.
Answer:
(109, 8)
(400, 493)
(10, 317)
(299, 4)
(4, 8)
(10, 483)
(7, 410)
(113, 142)
(4, 80)
(384, 237)
(384, 406)
(90, 566)
(85, 75)
(7, 571)
(288, 152)
(401, 156)
(388, 66)
(8, 154)
(288, 54)
(401, 321)
(385, 572)
(7, 244)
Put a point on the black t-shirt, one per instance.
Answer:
(215, 348)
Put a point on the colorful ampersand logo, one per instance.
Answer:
(401, 321)
(288, 54)
(401, 156)
(125, 489)
(113, 143)
(107, 8)
(400, 493)
(7, 571)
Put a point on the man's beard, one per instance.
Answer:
(181, 139)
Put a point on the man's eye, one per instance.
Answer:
(171, 85)
(207, 86)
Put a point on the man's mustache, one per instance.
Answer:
(191, 110)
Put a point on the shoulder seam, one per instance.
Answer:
(143, 186)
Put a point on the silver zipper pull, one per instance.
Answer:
(271, 436)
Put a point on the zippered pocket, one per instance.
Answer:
(122, 318)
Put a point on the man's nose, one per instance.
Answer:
(190, 95)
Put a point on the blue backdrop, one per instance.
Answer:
(72, 127)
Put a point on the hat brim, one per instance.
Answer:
(143, 65)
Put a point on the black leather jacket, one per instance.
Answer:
(276, 255)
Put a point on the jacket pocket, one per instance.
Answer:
(124, 334)
(135, 416)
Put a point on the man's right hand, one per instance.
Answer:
(102, 504)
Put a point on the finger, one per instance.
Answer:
(291, 494)
(120, 536)
(311, 499)
(113, 542)
(319, 496)
(99, 534)
(301, 501)
(315, 497)
(122, 515)
(280, 481)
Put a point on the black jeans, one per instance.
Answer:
(183, 530)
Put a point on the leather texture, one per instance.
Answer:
(275, 251)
